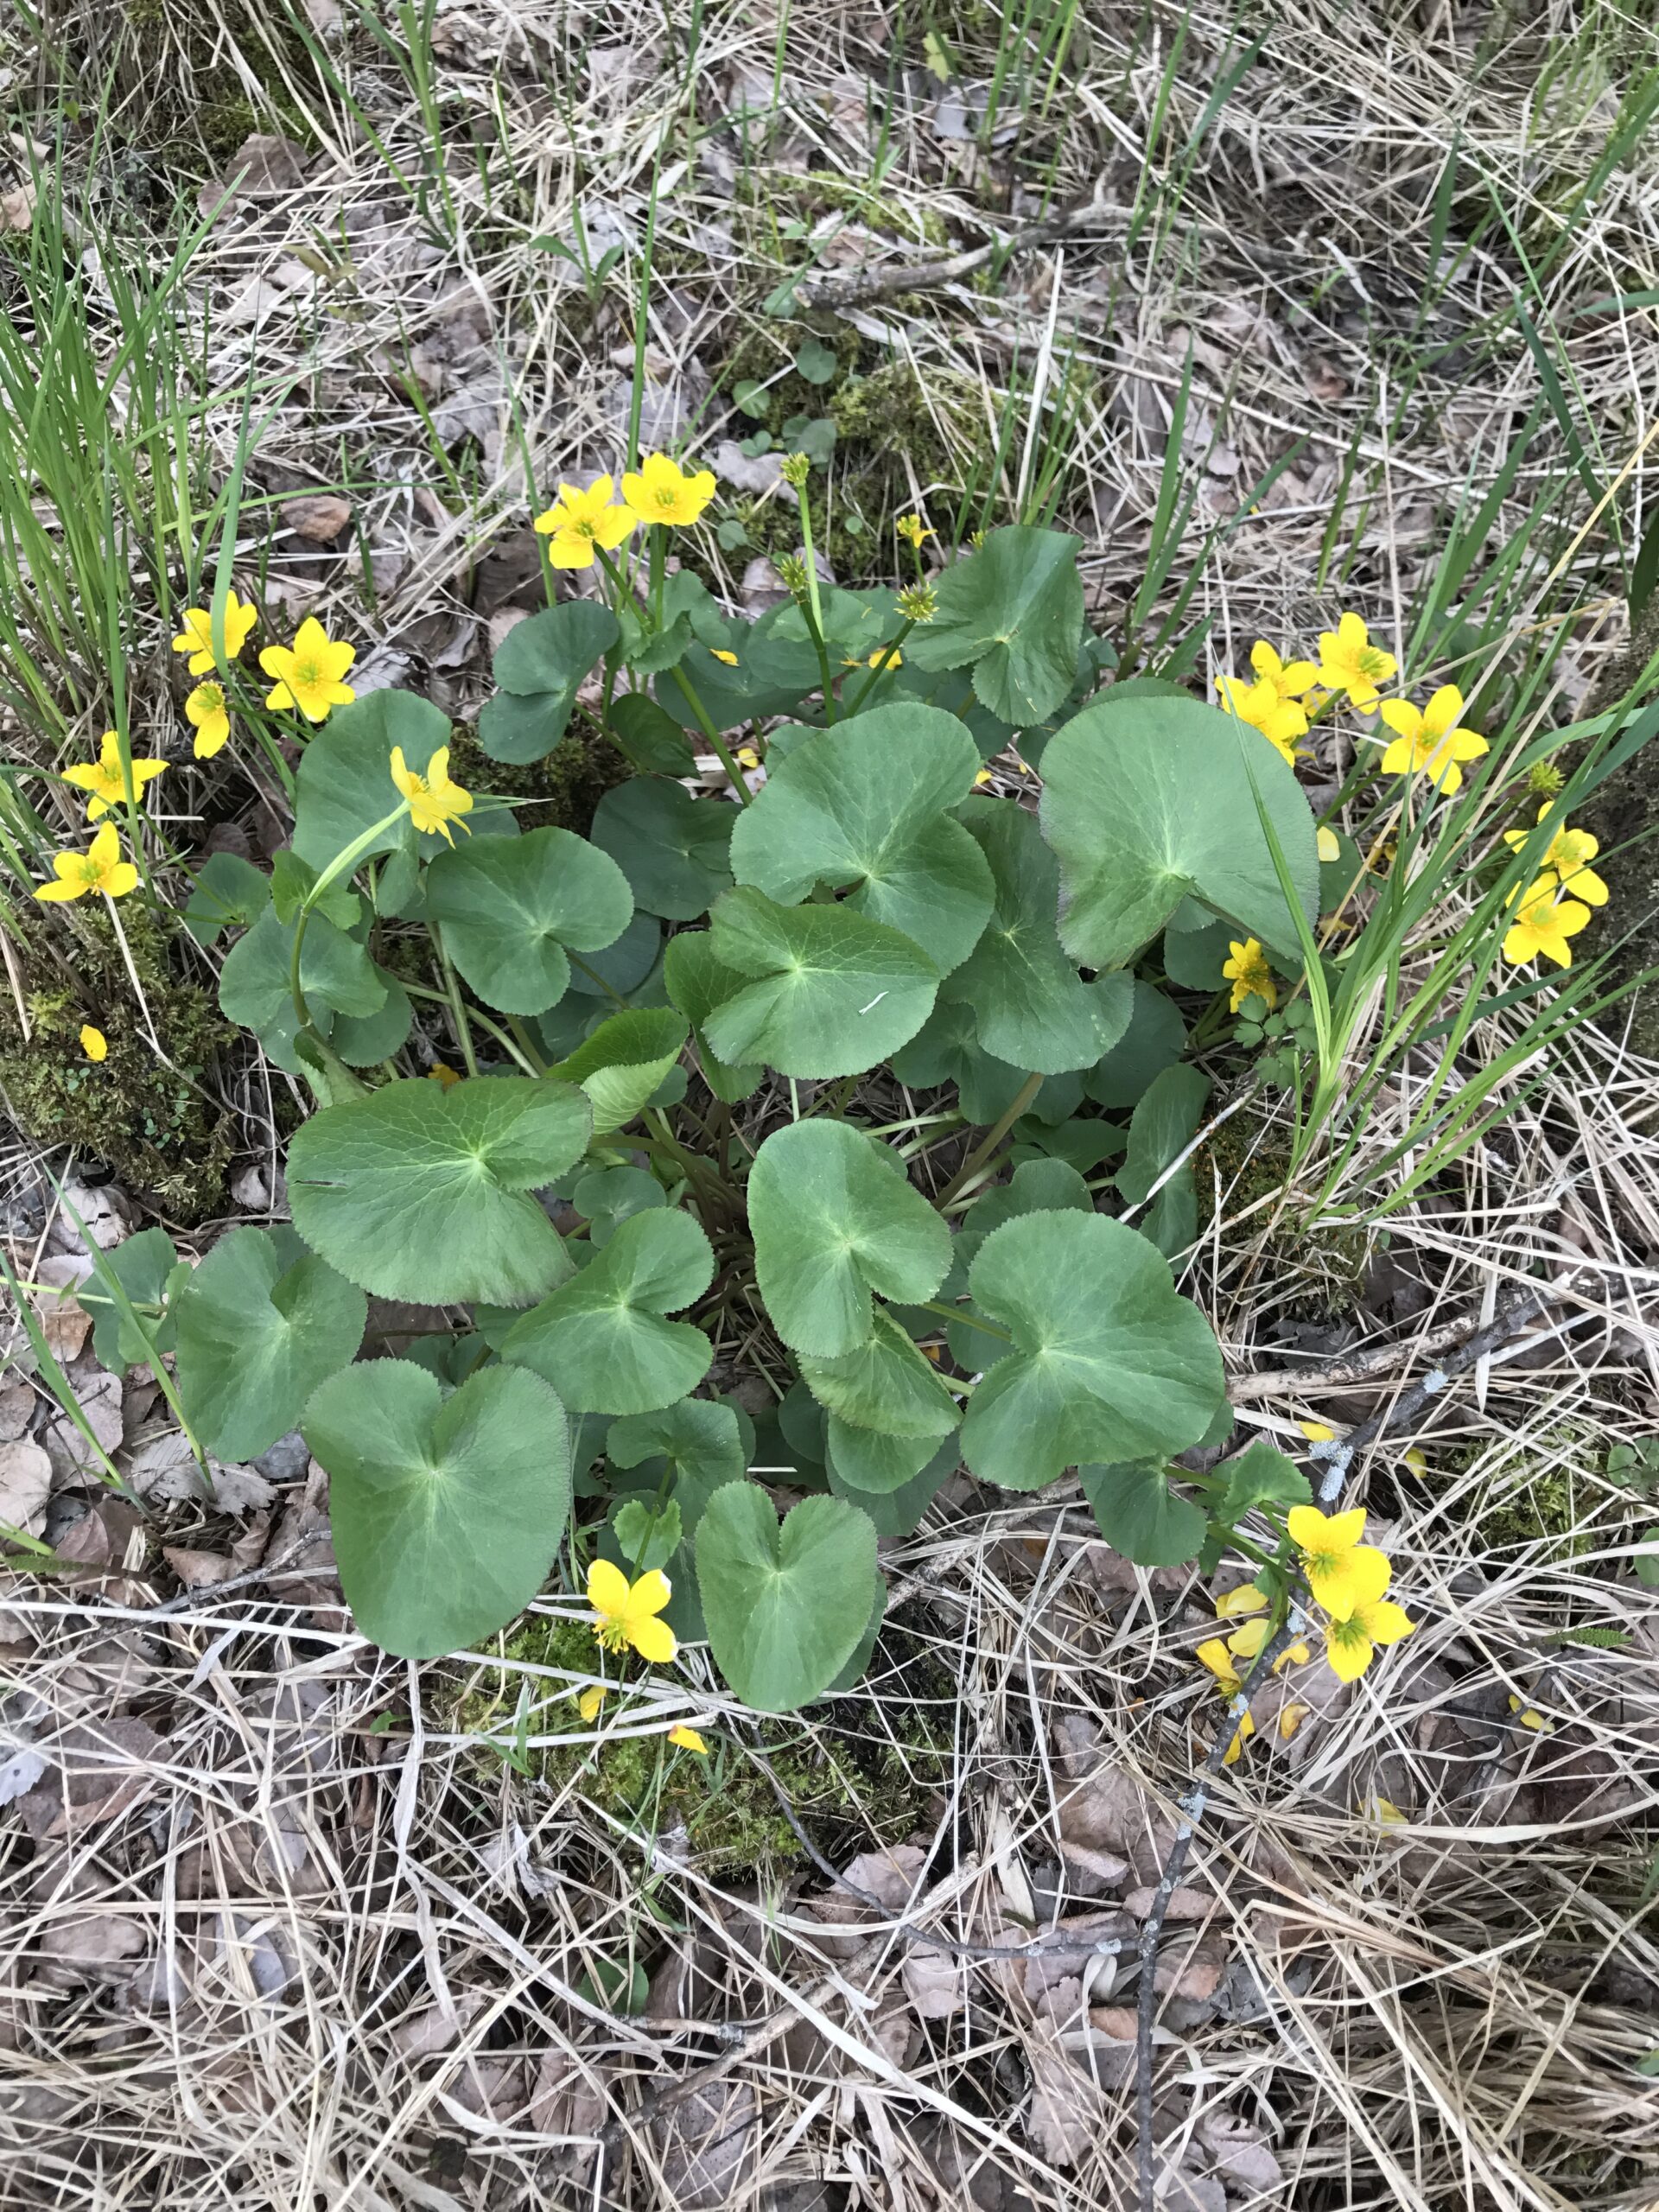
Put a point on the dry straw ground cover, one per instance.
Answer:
(1342, 312)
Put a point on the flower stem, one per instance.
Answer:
(981, 1152)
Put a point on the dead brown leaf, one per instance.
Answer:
(317, 517)
(25, 1486)
(98, 1769)
(1064, 2117)
(705, 2144)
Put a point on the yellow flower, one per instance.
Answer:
(196, 637)
(885, 659)
(1247, 1598)
(1350, 661)
(1530, 1718)
(719, 653)
(914, 530)
(1280, 720)
(688, 1740)
(1330, 845)
(94, 1043)
(1316, 1432)
(627, 1612)
(1290, 679)
(206, 712)
(1342, 1573)
(1214, 1655)
(589, 1703)
(1569, 852)
(582, 524)
(1543, 923)
(442, 1076)
(1291, 1719)
(308, 672)
(100, 867)
(662, 493)
(982, 777)
(1249, 974)
(1350, 1642)
(1430, 740)
(1249, 1639)
(747, 757)
(102, 778)
(434, 801)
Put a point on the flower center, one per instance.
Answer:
(610, 1635)
(1368, 660)
(308, 673)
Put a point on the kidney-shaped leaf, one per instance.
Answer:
(1031, 1007)
(885, 1385)
(673, 848)
(509, 907)
(698, 984)
(624, 1060)
(422, 1192)
(343, 785)
(540, 665)
(1140, 1516)
(1109, 1361)
(602, 1340)
(833, 1219)
(864, 806)
(826, 992)
(700, 1436)
(260, 1323)
(447, 1512)
(1015, 610)
(1147, 801)
(786, 1603)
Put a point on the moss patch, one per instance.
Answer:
(161, 1128)
(562, 790)
(1328, 1264)
(846, 1782)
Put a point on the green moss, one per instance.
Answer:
(823, 192)
(1328, 1264)
(563, 789)
(156, 1122)
(843, 1782)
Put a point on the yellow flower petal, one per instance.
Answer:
(688, 1740)
(608, 1588)
(654, 1640)
(94, 1043)
(1316, 1432)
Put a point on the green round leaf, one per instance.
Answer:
(421, 1192)
(600, 1339)
(786, 1603)
(605, 1198)
(697, 984)
(1152, 1042)
(540, 665)
(866, 1460)
(898, 1512)
(623, 1062)
(1108, 1362)
(826, 992)
(673, 848)
(343, 785)
(886, 1384)
(363, 1040)
(1161, 1126)
(1014, 611)
(1148, 801)
(336, 974)
(1031, 1007)
(701, 1437)
(862, 808)
(618, 969)
(260, 1323)
(142, 1268)
(833, 1219)
(1140, 1516)
(227, 893)
(652, 739)
(447, 1512)
(508, 908)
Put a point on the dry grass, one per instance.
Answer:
(300, 1963)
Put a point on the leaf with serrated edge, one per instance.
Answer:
(508, 909)
(863, 808)
(1108, 1362)
(260, 1323)
(423, 1193)
(602, 1339)
(786, 1605)
(447, 1513)
(1150, 801)
(833, 1219)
